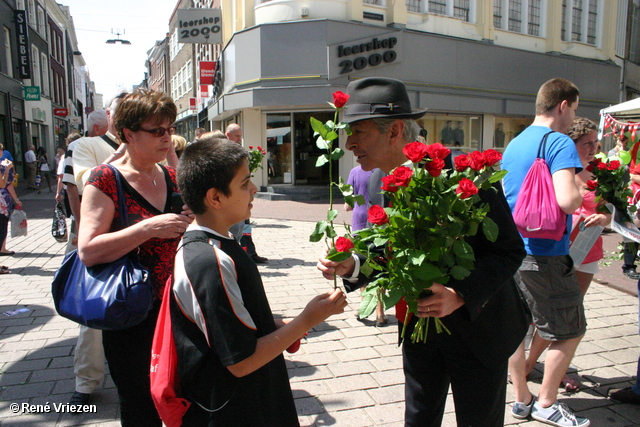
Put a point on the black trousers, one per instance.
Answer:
(128, 353)
(4, 227)
(479, 392)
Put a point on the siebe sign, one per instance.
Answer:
(364, 54)
(199, 26)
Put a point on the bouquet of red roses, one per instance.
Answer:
(255, 158)
(420, 239)
(610, 186)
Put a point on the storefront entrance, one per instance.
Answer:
(292, 150)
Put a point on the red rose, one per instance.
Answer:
(402, 176)
(438, 151)
(461, 162)
(592, 185)
(415, 151)
(343, 244)
(340, 98)
(466, 188)
(613, 165)
(492, 157)
(477, 160)
(377, 215)
(251, 147)
(259, 148)
(389, 184)
(602, 166)
(591, 167)
(434, 167)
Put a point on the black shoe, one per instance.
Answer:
(259, 259)
(625, 395)
(631, 273)
(79, 399)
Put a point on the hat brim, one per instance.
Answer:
(359, 117)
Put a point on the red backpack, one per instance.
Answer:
(164, 367)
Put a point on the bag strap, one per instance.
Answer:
(122, 205)
(543, 145)
(109, 141)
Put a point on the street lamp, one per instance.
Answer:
(117, 40)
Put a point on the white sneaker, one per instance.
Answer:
(557, 414)
(520, 411)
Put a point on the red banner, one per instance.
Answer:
(62, 112)
(193, 104)
(207, 70)
(204, 91)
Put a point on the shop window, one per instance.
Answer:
(459, 9)
(306, 152)
(506, 129)
(278, 144)
(461, 132)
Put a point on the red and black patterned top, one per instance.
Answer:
(157, 255)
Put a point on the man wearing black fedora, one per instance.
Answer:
(484, 312)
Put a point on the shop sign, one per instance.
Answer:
(31, 93)
(207, 71)
(88, 110)
(199, 26)
(204, 91)
(193, 104)
(75, 120)
(61, 112)
(22, 35)
(365, 54)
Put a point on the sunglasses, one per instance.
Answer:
(159, 132)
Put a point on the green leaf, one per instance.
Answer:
(380, 241)
(318, 127)
(497, 176)
(462, 249)
(318, 233)
(331, 136)
(369, 302)
(427, 272)
(459, 272)
(332, 214)
(331, 232)
(338, 256)
(322, 160)
(490, 229)
(359, 199)
(366, 269)
(322, 144)
(337, 154)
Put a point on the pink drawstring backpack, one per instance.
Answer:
(537, 213)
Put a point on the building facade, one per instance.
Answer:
(476, 65)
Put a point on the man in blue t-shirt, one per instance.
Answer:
(549, 282)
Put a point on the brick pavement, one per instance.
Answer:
(346, 374)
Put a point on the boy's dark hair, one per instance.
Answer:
(553, 92)
(211, 163)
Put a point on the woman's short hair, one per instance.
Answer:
(580, 126)
(209, 163)
(143, 105)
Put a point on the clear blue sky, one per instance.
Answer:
(114, 66)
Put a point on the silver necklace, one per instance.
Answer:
(154, 172)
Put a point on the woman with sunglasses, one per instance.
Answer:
(144, 123)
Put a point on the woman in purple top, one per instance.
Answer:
(359, 180)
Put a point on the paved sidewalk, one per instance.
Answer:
(347, 373)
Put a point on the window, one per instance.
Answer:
(438, 6)
(174, 46)
(581, 17)
(412, 5)
(32, 13)
(35, 66)
(42, 24)
(519, 16)
(379, 3)
(20, 4)
(497, 13)
(182, 82)
(7, 52)
(459, 9)
(44, 68)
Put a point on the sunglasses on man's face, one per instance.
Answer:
(159, 132)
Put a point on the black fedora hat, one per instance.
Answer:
(378, 97)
